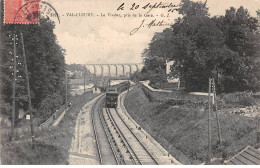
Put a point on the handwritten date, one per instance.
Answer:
(171, 7)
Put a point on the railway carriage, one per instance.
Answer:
(113, 92)
(111, 98)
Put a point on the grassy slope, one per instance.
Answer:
(185, 129)
(52, 146)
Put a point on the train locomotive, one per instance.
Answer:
(113, 92)
(111, 98)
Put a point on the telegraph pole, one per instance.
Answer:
(216, 109)
(258, 129)
(66, 96)
(28, 91)
(14, 85)
(84, 84)
(209, 126)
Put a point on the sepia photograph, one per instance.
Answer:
(130, 82)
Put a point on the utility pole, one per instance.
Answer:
(209, 126)
(1, 52)
(84, 84)
(216, 109)
(258, 129)
(13, 94)
(28, 91)
(66, 96)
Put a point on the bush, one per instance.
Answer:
(247, 101)
(221, 103)
(49, 105)
(23, 154)
(241, 98)
(139, 76)
(5, 107)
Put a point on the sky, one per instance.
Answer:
(96, 39)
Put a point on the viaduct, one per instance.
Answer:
(116, 68)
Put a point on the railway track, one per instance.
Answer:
(137, 151)
(152, 141)
(115, 142)
(106, 149)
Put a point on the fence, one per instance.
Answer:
(52, 118)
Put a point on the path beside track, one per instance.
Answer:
(83, 147)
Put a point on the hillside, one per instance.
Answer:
(183, 129)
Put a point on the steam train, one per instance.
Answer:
(113, 92)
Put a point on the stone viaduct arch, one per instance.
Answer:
(102, 70)
(123, 69)
(95, 72)
(109, 72)
(116, 68)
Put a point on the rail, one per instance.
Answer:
(94, 128)
(113, 121)
(149, 154)
(97, 122)
(137, 138)
(105, 127)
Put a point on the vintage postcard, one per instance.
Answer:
(130, 82)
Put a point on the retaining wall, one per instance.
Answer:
(155, 95)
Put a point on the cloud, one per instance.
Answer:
(106, 39)
(106, 45)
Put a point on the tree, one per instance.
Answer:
(242, 37)
(155, 56)
(224, 47)
(46, 66)
(196, 41)
(77, 67)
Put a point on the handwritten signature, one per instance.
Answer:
(153, 23)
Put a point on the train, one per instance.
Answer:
(112, 93)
